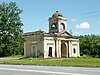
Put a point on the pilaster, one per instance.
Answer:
(25, 49)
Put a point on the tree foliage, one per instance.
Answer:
(90, 45)
(11, 41)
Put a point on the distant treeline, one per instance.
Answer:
(90, 45)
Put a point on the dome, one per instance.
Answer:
(56, 14)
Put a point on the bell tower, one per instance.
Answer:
(57, 23)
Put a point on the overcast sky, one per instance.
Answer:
(83, 16)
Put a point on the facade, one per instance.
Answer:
(57, 43)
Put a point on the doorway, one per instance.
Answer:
(34, 51)
(64, 51)
(50, 52)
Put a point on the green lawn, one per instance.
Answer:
(78, 62)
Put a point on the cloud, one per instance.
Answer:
(74, 19)
(84, 25)
(76, 32)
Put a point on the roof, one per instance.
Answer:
(56, 14)
(64, 34)
(34, 33)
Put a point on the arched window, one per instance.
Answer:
(62, 26)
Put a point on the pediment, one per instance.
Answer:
(64, 34)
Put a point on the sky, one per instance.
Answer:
(83, 16)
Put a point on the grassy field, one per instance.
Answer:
(78, 62)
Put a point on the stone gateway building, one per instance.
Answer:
(57, 43)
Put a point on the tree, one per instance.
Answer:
(90, 45)
(11, 41)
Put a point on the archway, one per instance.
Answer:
(62, 26)
(64, 51)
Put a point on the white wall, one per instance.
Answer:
(76, 47)
(49, 42)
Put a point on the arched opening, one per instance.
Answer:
(54, 26)
(62, 26)
(50, 52)
(34, 52)
(64, 51)
(34, 49)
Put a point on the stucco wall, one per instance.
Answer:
(29, 45)
(74, 46)
(43, 43)
(49, 42)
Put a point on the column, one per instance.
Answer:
(67, 49)
(25, 49)
(57, 52)
(59, 48)
(70, 49)
(45, 49)
(78, 49)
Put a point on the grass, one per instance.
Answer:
(15, 56)
(84, 61)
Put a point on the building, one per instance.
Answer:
(57, 43)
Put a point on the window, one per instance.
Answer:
(34, 43)
(74, 50)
